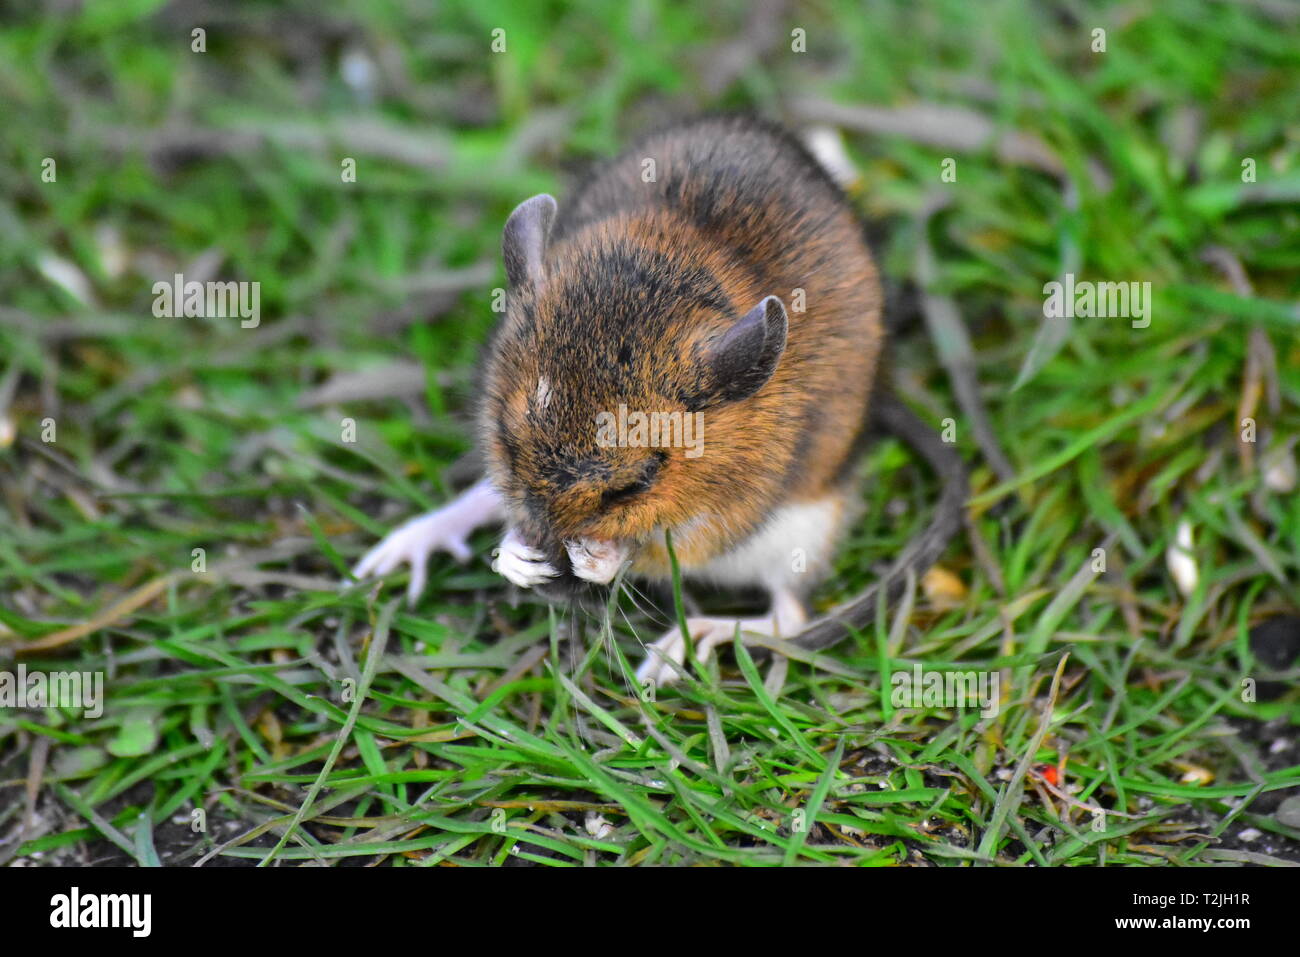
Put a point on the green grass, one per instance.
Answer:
(315, 722)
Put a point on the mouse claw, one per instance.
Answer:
(419, 574)
(520, 563)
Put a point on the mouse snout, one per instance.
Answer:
(595, 560)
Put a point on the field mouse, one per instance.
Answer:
(690, 344)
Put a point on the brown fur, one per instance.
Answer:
(639, 281)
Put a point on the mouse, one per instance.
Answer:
(688, 358)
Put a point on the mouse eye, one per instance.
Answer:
(649, 472)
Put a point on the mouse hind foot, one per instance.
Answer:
(665, 658)
(446, 529)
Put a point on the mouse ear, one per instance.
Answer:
(523, 245)
(737, 363)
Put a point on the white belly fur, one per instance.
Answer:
(791, 551)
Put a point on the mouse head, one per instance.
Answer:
(617, 386)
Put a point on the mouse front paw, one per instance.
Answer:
(520, 563)
(595, 561)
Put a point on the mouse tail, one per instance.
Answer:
(924, 549)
